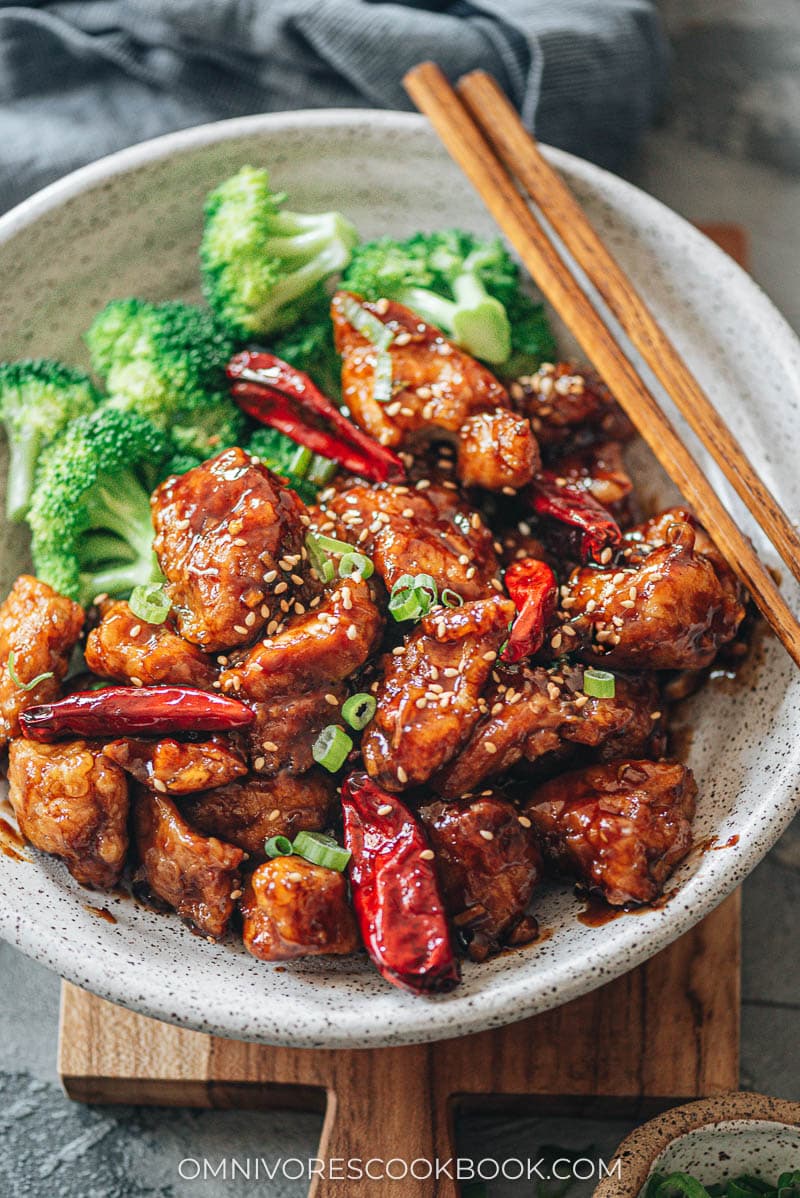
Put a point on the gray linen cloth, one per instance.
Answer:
(79, 80)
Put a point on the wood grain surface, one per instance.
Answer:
(666, 1031)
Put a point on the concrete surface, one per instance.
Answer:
(729, 149)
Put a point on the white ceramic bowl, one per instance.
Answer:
(716, 1139)
(130, 224)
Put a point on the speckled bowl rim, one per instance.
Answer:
(510, 998)
(638, 1151)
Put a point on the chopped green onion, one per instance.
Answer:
(321, 850)
(412, 596)
(452, 598)
(358, 710)
(331, 545)
(300, 461)
(331, 747)
(278, 846)
(321, 470)
(599, 684)
(405, 606)
(355, 563)
(150, 603)
(11, 663)
(365, 323)
(425, 585)
(382, 381)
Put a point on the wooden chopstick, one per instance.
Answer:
(462, 137)
(521, 155)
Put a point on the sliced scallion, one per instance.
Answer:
(150, 602)
(11, 665)
(365, 323)
(278, 846)
(355, 563)
(599, 684)
(452, 598)
(300, 461)
(331, 545)
(358, 710)
(383, 381)
(321, 470)
(321, 850)
(331, 747)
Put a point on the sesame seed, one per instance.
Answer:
(402, 338)
(627, 603)
(270, 575)
(655, 715)
(606, 556)
(398, 651)
(352, 632)
(136, 681)
(486, 834)
(296, 579)
(274, 814)
(385, 809)
(591, 605)
(475, 520)
(250, 619)
(240, 629)
(490, 747)
(402, 776)
(555, 641)
(382, 307)
(329, 698)
(272, 627)
(236, 894)
(523, 819)
(281, 587)
(294, 876)
(240, 541)
(264, 612)
(450, 672)
(270, 746)
(568, 630)
(421, 702)
(259, 763)
(471, 572)
(618, 578)
(427, 854)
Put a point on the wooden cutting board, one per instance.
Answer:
(666, 1031)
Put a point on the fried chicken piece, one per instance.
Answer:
(176, 767)
(197, 875)
(248, 812)
(128, 649)
(670, 606)
(320, 646)
(489, 866)
(72, 801)
(41, 628)
(438, 389)
(620, 829)
(530, 711)
(230, 539)
(429, 696)
(411, 531)
(601, 471)
(292, 908)
(569, 407)
(286, 727)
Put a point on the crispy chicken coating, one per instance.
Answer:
(41, 628)
(437, 390)
(248, 812)
(429, 697)
(669, 606)
(175, 767)
(286, 727)
(408, 530)
(128, 649)
(197, 875)
(230, 539)
(320, 646)
(569, 407)
(600, 470)
(489, 866)
(620, 829)
(292, 908)
(70, 800)
(530, 711)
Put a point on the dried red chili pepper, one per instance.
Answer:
(577, 508)
(395, 891)
(129, 710)
(274, 393)
(532, 585)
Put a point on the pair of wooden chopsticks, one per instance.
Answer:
(483, 134)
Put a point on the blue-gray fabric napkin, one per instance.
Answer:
(79, 80)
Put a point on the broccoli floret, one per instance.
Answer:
(90, 511)
(309, 346)
(467, 287)
(305, 472)
(38, 397)
(261, 264)
(167, 362)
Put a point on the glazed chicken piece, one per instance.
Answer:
(620, 829)
(429, 697)
(669, 606)
(41, 628)
(489, 866)
(248, 812)
(177, 768)
(422, 530)
(532, 711)
(286, 727)
(601, 471)
(315, 648)
(197, 875)
(440, 393)
(569, 407)
(128, 649)
(72, 801)
(292, 908)
(230, 539)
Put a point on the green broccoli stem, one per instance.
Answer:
(23, 451)
(433, 308)
(475, 320)
(121, 506)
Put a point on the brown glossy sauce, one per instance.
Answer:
(710, 844)
(597, 912)
(11, 843)
(101, 913)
